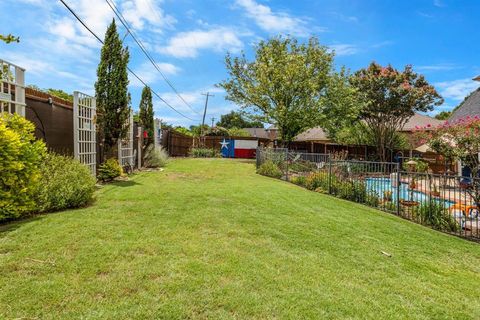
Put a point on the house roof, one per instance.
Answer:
(418, 120)
(422, 121)
(469, 107)
(261, 133)
(314, 134)
(477, 78)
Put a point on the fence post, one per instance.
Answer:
(139, 146)
(257, 157)
(398, 188)
(286, 159)
(329, 175)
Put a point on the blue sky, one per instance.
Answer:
(189, 39)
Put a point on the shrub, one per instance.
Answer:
(302, 166)
(66, 183)
(109, 170)
(372, 200)
(20, 156)
(270, 169)
(300, 180)
(350, 190)
(435, 215)
(204, 153)
(317, 180)
(155, 158)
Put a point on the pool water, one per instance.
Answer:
(378, 186)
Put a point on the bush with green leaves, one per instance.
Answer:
(317, 180)
(435, 215)
(269, 169)
(155, 157)
(66, 183)
(20, 157)
(299, 180)
(302, 166)
(109, 170)
(204, 153)
(350, 190)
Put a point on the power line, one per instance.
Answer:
(133, 73)
(122, 19)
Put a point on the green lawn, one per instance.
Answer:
(211, 239)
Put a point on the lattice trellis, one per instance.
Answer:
(85, 135)
(12, 88)
(126, 156)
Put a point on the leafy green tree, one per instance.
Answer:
(184, 130)
(388, 99)
(54, 92)
(9, 38)
(197, 130)
(293, 85)
(146, 115)
(237, 120)
(60, 94)
(444, 115)
(111, 88)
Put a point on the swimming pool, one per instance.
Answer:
(379, 186)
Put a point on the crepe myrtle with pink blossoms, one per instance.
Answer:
(459, 140)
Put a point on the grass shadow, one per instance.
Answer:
(12, 225)
(124, 184)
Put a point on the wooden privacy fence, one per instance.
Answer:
(176, 143)
(179, 145)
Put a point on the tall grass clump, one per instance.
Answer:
(155, 157)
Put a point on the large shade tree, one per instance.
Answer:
(146, 115)
(235, 119)
(388, 99)
(111, 88)
(293, 85)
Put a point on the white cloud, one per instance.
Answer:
(457, 89)
(273, 22)
(137, 12)
(382, 44)
(344, 49)
(438, 67)
(439, 3)
(188, 44)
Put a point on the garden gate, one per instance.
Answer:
(125, 146)
(84, 130)
(12, 88)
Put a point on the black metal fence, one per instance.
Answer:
(444, 202)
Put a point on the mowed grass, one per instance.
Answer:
(211, 239)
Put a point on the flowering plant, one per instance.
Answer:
(458, 140)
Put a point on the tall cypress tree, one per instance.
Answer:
(146, 114)
(111, 89)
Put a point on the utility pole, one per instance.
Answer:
(213, 121)
(205, 111)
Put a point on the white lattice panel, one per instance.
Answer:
(12, 88)
(126, 156)
(85, 132)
